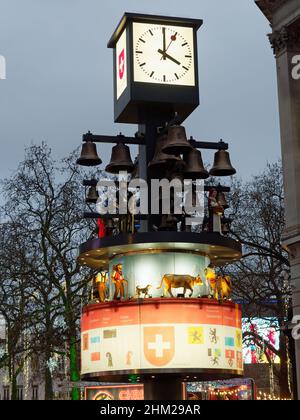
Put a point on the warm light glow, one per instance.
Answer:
(163, 54)
(159, 336)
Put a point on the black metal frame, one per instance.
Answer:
(133, 239)
(93, 183)
(202, 374)
(139, 140)
(143, 18)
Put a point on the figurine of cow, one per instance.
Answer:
(183, 280)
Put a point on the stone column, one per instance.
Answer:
(284, 16)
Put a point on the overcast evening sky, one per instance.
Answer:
(59, 76)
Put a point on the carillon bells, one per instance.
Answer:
(160, 160)
(222, 165)
(92, 195)
(120, 160)
(177, 142)
(221, 199)
(225, 228)
(89, 156)
(194, 165)
(168, 222)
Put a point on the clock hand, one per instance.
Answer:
(165, 55)
(164, 41)
(173, 38)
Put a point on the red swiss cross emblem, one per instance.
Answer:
(159, 345)
(122, 64)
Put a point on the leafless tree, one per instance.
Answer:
(44, 202)
(261, 277)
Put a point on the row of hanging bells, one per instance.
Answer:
(120, 157)
(169, 148)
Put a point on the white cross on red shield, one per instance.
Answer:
(159, 345)
(122, 64)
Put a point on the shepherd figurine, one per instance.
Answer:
(119, 281)
(216, 211)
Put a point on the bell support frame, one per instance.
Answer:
(139, 140)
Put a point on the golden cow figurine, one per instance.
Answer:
(181, 280)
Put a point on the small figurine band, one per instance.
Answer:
(216, 211)
(220, 286)
(101, 281)
(119, 281)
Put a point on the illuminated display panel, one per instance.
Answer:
(162, 335)
(115, 392)
(268, 330)
(141, 270)
(121, 64)
(234, 389)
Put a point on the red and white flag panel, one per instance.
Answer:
(181, 336)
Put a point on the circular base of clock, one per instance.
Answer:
(220, 249)
(188, 338)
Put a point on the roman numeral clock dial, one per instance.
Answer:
(163, 54)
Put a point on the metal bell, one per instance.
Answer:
(176, 170)
(222, 165)
(195, 168)
(161, 159)
(120, 160)
(89, 156)
(225, 228)
(168, 222)
(177, 143)
(221, 199)
(92, 195)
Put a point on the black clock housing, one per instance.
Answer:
(141, 101)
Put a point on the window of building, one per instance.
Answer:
(6, 392)
(61, 363)
(20, 393)
(35, 392)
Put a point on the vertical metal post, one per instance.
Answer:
(154, 120)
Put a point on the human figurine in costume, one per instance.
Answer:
(101, 228)
(119, 281)
(211, 278)
(216, 211)
(101, 281)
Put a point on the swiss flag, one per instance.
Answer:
(159, 345)
(122, 64)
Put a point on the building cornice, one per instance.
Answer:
(286, 39)
(269, 7)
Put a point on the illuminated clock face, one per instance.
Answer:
(163, 54)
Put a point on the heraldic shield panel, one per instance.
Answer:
(161, 335)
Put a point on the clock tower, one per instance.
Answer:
(137, 332)
(155, 67)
